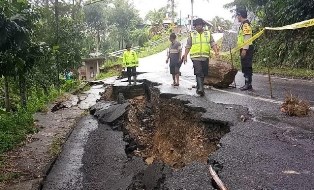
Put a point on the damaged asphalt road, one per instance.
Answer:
(267, 151)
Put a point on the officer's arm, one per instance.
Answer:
(135, 57)
(124, 59)
(180, 50)
(188, 47)
(247, 32)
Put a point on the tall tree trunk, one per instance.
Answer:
(122, 45)
(97, 41)
(22, 84)
(6, 94)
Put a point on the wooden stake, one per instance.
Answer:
(234, 82)
(215, 177)
(270, 84)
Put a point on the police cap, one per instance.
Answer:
(242, 13)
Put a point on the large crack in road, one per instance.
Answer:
(150, 139)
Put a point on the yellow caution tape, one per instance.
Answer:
(249, 41)
(303, 24)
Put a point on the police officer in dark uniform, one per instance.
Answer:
(246, 53)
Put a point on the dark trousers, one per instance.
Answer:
(246, 64)
(200, 68)
(131, 71)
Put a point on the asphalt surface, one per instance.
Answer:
(268, 151)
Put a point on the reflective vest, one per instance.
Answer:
(245, 29)
(200, 45)
(130, 59)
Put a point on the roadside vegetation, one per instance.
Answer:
(287, 53)
(42, 42)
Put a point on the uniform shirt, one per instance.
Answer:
(175, 52)
(130, 58)
(247, 31)
(189, 45)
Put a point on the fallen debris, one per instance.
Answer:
(216, 178)
(243, 119)
(221, 74)
(293, 106)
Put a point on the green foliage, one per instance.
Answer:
(110, 73)
(14, 126)
(156, 17)
(220, 24)
(140, 37)
(70, 85)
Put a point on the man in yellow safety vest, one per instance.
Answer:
(130, 61)
(199, 45)
(246, 53)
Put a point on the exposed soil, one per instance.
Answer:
(168, 131)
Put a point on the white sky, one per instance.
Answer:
(202, 8)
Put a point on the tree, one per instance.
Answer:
(125, 18)
(156, 17)
(220, 24)
(15, 31)
(96, 20)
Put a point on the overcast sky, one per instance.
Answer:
(203, 9)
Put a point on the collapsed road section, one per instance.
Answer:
(142, 137)
(148, 141)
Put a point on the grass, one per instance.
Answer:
(288, 72)
(110, 73)
(5, 173)
(55, 148)
(9, 176)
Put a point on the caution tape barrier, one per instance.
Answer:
(303, 24)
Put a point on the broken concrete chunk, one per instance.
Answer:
(99, 106)
(111, 114)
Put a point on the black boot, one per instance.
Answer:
(200, 86)
(246, 87)
(134, 78)
(129, 80)
(248, 84)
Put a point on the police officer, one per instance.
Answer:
(130, 61)
(199, 45)
(246, 53)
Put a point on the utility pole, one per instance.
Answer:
(172, 12)
(192, 16)
(180, 19)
